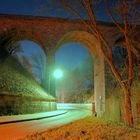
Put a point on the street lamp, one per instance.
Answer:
(58, 73)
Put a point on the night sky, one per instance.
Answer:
(42, 8)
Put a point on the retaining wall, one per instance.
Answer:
(13, 104)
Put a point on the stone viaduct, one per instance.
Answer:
(50, 34)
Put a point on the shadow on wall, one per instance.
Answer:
(114, 105)
(113, 109)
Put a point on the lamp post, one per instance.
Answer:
(56, 74)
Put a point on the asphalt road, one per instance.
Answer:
(19, 130)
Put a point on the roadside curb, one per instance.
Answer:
(31, 119)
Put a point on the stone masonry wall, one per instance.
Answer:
(11, 104)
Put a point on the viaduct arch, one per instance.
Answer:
(51, 33)
(93, 45)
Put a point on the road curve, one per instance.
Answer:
(19, 130)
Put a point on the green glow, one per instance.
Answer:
(58, 73)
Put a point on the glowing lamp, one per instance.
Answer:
(58, 73)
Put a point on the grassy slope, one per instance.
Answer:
(14, 79)
(89, 128)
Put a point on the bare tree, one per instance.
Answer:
(39, 63)
(77, 84)
(106, 49)
(27, 64)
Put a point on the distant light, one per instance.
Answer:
(58, 73)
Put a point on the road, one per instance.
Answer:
(19, 130)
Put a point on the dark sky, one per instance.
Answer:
(44, 8)
(25, 7)
(73, 53)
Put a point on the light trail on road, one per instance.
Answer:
(19, 130)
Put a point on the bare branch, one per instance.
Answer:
(112, 17)
(71, 9)
(125, 14)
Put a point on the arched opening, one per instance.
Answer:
(93, 46)
(18, 61)
(32, 58)
(27, 46)
(76, 63)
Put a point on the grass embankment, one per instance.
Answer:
(15, 80)
(89, 128)
(19, 92)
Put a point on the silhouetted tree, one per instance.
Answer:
(77, 85)
(39, 62)
(27, 64)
